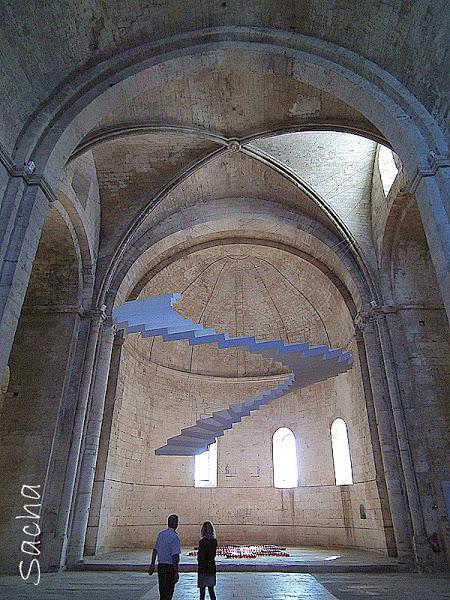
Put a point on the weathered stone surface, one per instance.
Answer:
(149, 148)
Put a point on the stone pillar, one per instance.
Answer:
(395, 414)
(422, 364)
(22, 216)
(9, 208)
(377, 454)
(102, 460)
(387, 437)
(70, 479)
(55, 511)
(90, 448)
(432, 189)
(34, 413)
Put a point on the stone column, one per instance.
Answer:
(70, 480)
(389, 448)
(56, 505)
(102, 460)
(432, 189)
(421, 368)
(377, 452)
(393, 412)
(22, 216)
(90, 448)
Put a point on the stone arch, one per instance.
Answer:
(357, 81)
(192, 233)
(327, 212)
(402, 120)
(82, 247)
(403, 234)
(55, 132)
(412, 275)
(35, 412)
(57, 275)
(117, 132)
(255, 219)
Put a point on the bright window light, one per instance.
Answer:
(285, 470)
(341, 453)
(205, 469)
(388, 168)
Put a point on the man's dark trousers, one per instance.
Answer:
(166, 581)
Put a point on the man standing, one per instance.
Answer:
(167, 548)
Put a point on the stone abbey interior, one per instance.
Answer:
(284, 167)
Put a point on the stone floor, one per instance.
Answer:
(301, 560)
(242, 586)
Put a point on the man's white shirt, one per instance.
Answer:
(167, 544)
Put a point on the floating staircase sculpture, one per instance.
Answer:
(308, 364)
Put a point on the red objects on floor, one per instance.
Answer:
(232, 551)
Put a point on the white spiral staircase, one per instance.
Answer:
(308, 364)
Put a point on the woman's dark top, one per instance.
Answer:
(206, 554)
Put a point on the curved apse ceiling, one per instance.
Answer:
(246, 289)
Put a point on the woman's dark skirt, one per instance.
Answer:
(205, 580)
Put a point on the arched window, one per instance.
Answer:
(285, 470)
(388, 168)
(341, 453)
(205, 468)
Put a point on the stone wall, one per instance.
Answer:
(382, 205)
(4, 387)
(154, 403)
(420, 334)
(39, 367)
(29, 417)
(3, 181)
(61, 72)
(78, 183)
(327, 160)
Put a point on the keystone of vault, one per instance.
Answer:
(308, 364)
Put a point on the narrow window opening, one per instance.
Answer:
(388, 168)
(205, 467)
(341, 453)
(285, 469)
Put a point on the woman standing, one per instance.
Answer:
(206, 561)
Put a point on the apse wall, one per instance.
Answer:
(158, 394)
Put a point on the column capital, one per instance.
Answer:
(428, 168)
(97, 314)
(372, 312)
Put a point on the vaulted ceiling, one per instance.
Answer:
(226, 125)
(408, 39)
